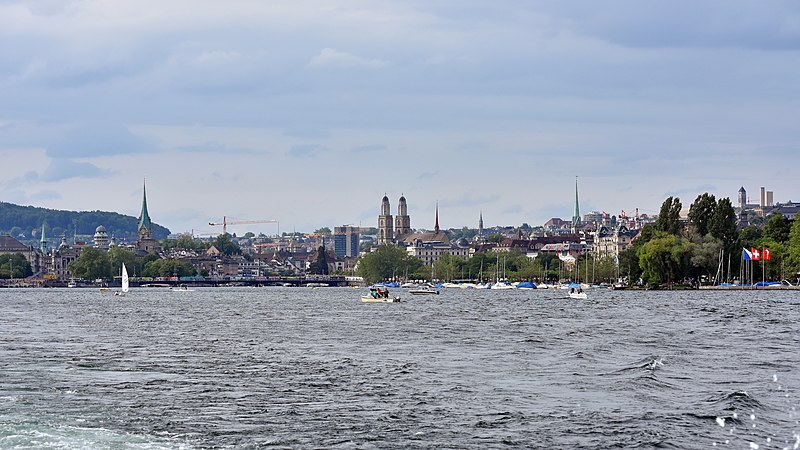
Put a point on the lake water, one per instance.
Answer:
(316, 368)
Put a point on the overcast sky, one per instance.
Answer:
(309, 111)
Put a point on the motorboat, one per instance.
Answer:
(378, 295)
(425, 290)
(371, 299)
(578, 295)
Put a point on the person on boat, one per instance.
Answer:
(373, 292)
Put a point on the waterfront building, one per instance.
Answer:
(10, 245)
(430, 246)
(430, 251)
(788, 210)
(61, 258)
(345, 241)
(611, 241)
(100, 238)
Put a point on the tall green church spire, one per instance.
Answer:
(576, 214)
(144, 217)
(43, 241)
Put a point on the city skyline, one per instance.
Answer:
(308, 114)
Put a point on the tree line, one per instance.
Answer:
(16, 220)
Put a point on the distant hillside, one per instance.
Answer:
(27, 221)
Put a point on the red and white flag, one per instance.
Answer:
(756, 254)
(766, 255)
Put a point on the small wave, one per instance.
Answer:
(736, 400)
(650, 363)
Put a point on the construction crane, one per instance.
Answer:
(225, 223)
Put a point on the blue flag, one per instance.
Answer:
(747, 255)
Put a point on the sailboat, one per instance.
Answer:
(125, 282)
(501, 283)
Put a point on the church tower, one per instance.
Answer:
(742, 197)
(146, 243)
(436, 226)
(145, 225)
(576, 213)
(43, 242)
(385, 231)
(402, 222)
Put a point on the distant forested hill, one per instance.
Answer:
(27, 221)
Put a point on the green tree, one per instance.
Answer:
(168, 267)
(496, 238)
(793, 251)
(92, 264)
(184, 242)
(323, 230)
(778, 254)
(448, 267)
(14, 266)
(723, 224)
(603, 270)
(118, 255)
(664, 259)
(700, 213)
(749, 236)
(629, 266)
(387, 262)
(705, 257)
(226, 246)
(777, 228)
(669, 218)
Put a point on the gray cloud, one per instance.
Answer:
(96, 139)
(524, 95)
(64, 169)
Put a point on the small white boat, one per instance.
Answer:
(181, 288)
(424, 291)
(125, 282)
(502, 285)
(371, 299)
(577, 294)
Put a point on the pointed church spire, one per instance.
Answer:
(144, 217)
(436, 226)
(576, 214)
(43, 241)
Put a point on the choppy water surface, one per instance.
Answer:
(302, 368)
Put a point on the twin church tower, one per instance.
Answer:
(388, 234)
